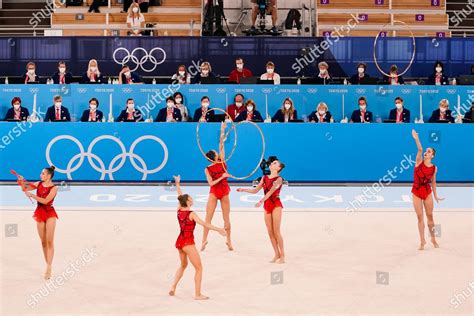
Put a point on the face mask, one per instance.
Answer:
(178, 100)
(93, 69)
(205, 72)
(287, 106)
(398, 105)
(361, 70)
(238, 104)
(270, 70)
(31, 71)
(127, 74)
(321, 112)
(240, 66)
(443, 110)
(362, 107)
(135, 10)
(16, 106)
(205, 104)
(131, 106)
(322, 71)
(93, 106)
(181, 73)
(62, 70)
(57, 104)
(249, 108)
(170, 104)
(439, 69)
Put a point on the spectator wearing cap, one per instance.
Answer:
(17, 112)
(361, 77)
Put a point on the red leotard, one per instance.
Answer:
(186, 235)
(422, 180)
(44, 211)
(222, 188)
(274, 200)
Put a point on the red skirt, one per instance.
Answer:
(182, 242)
(220, 191)
(422, 192)
(270, 205)
(42, 213)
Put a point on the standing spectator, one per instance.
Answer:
(179, 104)
(130, 114)
(362, 115)
(135, 20)
(239, 71)
(30, 76)
(237, 107)
(321, 115)
(250, 113)
(92, 114)
(287, 112)
(323, 76)
(202, 114)
(182, 75)
(394, 78)
(62, 76)
(443, 113)
(361, 77)
(437, 77)
(170, 113)
(271, 74)
(17, 112)
(399, 114)
(94, 7)
(205, 72)
(57, 112)
(128, 77)
(93, 75)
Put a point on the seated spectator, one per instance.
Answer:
(443, 113)
(271, 9)
(128, 77)
(237, 107)
(202, 114)
(469, 114)
(205, 72)
(93, 75)
(437, 77)
(92, 115)
(57, 112)
(323, 76)
(62, 76)
(399, 114)
(94, 7)
(130, 114)
(394, 78)
(250, 113)
(30, 76)
(361, 77)
(17, 112)
(179, 104)
(170, 113)
(271, 74)
(144, 4)
(182, 75)
(135, 19)
(239, 71)
(321, 115)
(287, 112)
(362, 115)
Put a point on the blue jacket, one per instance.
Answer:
(280, 117)
(314, 118)
(355, 117)
(123, 117)
(85, 116)
(198, 114)
(437, 114)
(256, 117)
(24, 113)
(405, 115)
(67, 79)
(162, 114)
(51, 115)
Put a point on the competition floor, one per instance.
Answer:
(115, 255)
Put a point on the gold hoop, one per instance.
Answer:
(412, 57)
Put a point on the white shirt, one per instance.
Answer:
(135, 22)
(266, 76)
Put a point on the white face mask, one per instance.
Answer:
(57, 104)
(181, 73)
(128, 74)
(249, 108)
(135, 10)
(443, 110)
(270, 70)
(130, 106)
(93, 69)
(240, 66)
(205, 72)
(170, 104)
(93, 106)
(361, 70)
(398, 105)
(31, 72)
(16, 106)
(362, 107)
(322, 112)
(439, 69)
(287, 106)
(62, 70)
(238, 104)
(205, 104)
(178, 100)
(322, 71)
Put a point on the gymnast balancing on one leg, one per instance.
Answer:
(45, 214)
(185, 243)
(273, 207)
(216, 176)
(425, 173)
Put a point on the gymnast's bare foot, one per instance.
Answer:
(204, 244)
(422, 245)
(275, 259)
(281, 260)
(47, 274)
(435, 244)
(201, 297)
(171, 293)
(229, 246)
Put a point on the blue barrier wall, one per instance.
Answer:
(150, 98)
(154, 152)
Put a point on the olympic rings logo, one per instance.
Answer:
(113, 166)
(127, 90)
(451, 91)
(361, 91)
(406, 91)
(221, 90)
(82, 90)
(140, 62)
(34, 90)
(267, 90)
(312, 90)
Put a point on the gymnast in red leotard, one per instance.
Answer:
(216, 176)
(271, 185)
(185, 243)
(424, 178)
(45, 214)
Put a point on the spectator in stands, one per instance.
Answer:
(93, 75)
(202, 114)
(321, 115)
(128, 77)
(179, 104)
(62, 76)
(437, 77)
(237, 107)
(17, 112)
(135, 19)
(271, 9)
(127, 4)
(205, 72)
(170, 113)
(399, 114)
(394, 78)
(287, 113)
(30, 76)
(94, 7)
(144, 5)
(182, 75)
(361, 77)
(442, 114)
(362, 115)
(323, 76)
(468, 116)
(271, 74)
(92, 114)
(57, 112)
(239, 71)
(130, 114)
(250, 113)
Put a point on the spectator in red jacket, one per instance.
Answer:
(239, 71)
(237, 107)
